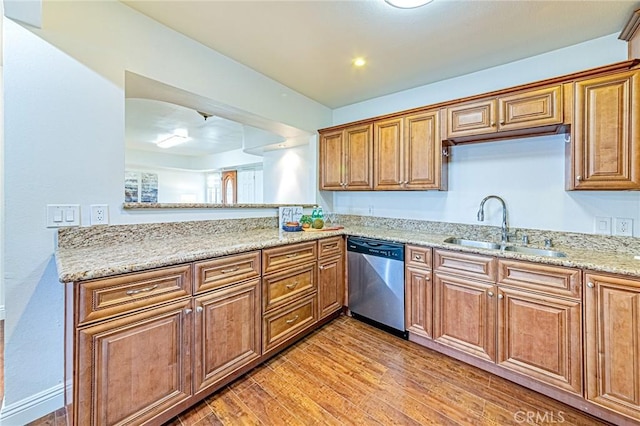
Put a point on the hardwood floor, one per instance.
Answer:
(349, 373)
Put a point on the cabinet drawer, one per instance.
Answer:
(550, 279)
(226, 270)
(469, 265)
(284, 324)
(277, 258)
(417, 256)
(471, 119)
(330, 246)
(534, 108)
(108, 297)
(280, 287)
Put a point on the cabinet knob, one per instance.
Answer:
(590, 284)
(493, 124)
(490, 294)
(188, 311)
(321, 267)
(502, 122)
(500, 296)
(427, 279)
(417, 257)
(579, 178)
(199, 309)
(445, 152)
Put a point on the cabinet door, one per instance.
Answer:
(423, 151)
(330, 285)
(464, 315)
(471, 119)
(606, 133)
(130, 369)
(612, 322)
(535, 108)
(331, 161)
(540, 336)
(388, 154)
(418, 301)
(227, 332)
(359, 157)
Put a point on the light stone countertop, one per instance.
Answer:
(103, 260)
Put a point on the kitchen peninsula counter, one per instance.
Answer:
(107, 256)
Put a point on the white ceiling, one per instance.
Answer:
(308, 45)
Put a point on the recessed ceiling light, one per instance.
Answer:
(407, 4)
(180, 136)
(359, 62)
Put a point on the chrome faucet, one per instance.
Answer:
(505, 229)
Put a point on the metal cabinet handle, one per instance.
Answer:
(500, 296)
(199, 309)
(188, 311)
(445, 153)
(590, 284)
(289, 321)
(579, 178)
(490, 294)
(290, 286)
(493, 124)
(141, 290)
(292, 255)
(417, 257)
(321, 267)
(427, 279)
(226, 271)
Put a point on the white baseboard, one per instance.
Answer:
(32, 408)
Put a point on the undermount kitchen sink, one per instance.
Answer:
(473, 243)
(535, 251)
(497, 246)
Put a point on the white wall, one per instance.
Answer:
(528, 173)
(290, 176)
(64, 133)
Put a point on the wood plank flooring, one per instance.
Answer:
(349, 373)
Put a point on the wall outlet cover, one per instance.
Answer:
(99, 214)
(623, 227)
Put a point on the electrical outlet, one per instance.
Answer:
(623, 227)
(99, 214)
(602, 225)
(59, 215)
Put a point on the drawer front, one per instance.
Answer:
(466, 264)
(226, 270)
(540, 107)
(108, 297)
(550, 279)
(417, 256)
(284, 324)
(471, 119)
(277, 258)
(330, 247)
(280, 287)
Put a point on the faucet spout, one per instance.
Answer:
(505, 228)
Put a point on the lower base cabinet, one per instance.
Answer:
(227, 332)
(131, 368)
(612, 322)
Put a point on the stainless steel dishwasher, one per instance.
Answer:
(376, 283)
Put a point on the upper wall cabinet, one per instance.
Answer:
(536, 111)
(404, 150)
(408, 153)
(346, 158)
(604, 152)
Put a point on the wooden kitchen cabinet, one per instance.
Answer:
(408, 153)
(131, 369)
(540, 336)
(227, 332)
(346, 159)
(604, 153)
(331, 280)
(470, 119)
(612, 350)
(464, 315)
(531, 111)
(418, 291)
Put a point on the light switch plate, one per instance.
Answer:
(59, 215)
(602, 225)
